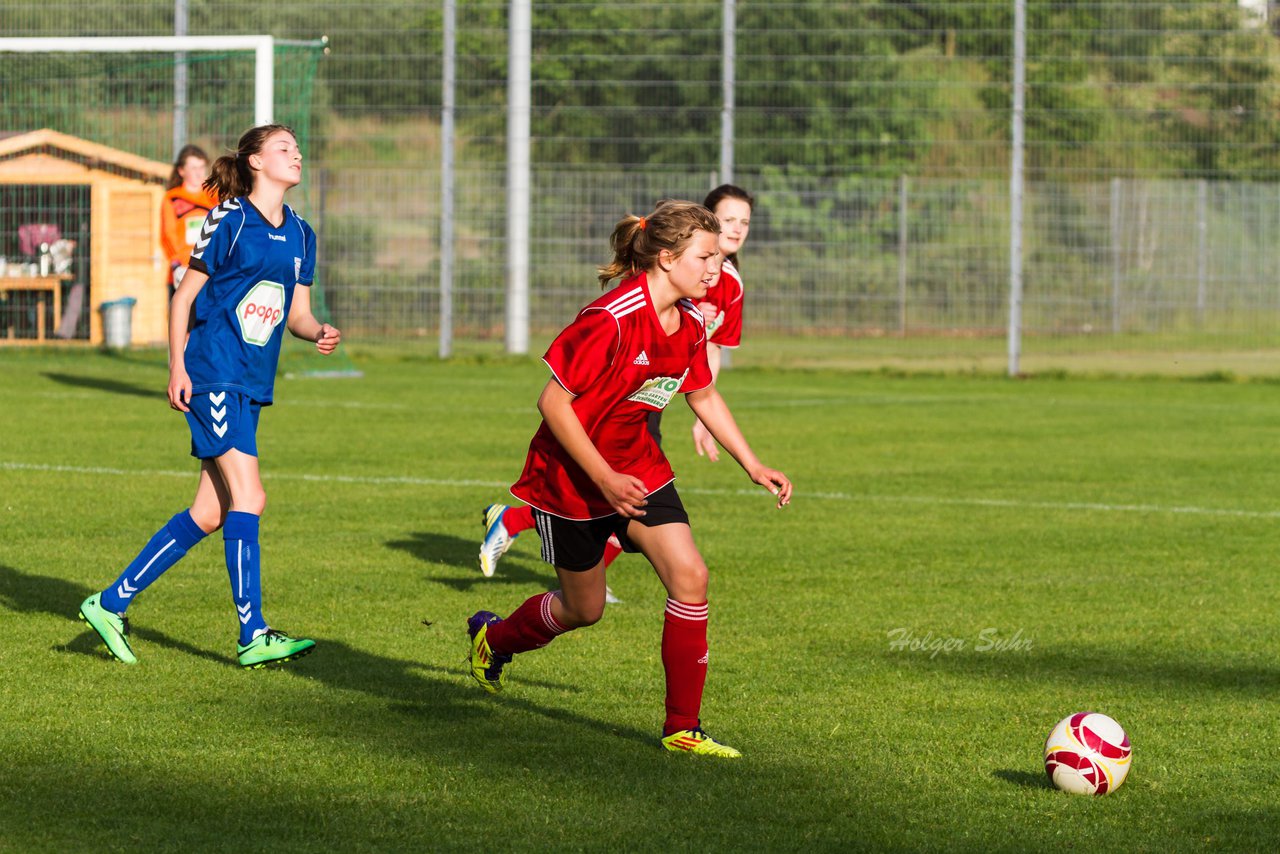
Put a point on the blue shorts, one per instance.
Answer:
(221, 421)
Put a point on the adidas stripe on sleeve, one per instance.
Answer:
(583, 352)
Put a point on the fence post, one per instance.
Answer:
(179, 79)
(446, 180)
(1115, 256)
(1016, 183)
(519, 83)
(902, 255)
(728, 60)
(1202, 245)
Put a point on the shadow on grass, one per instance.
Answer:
(425, 689)
(143, 357)
(107, 385)
(459, 553)
(1025, 779)
(23, 593)
(443, 695)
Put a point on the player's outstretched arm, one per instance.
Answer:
(179, 322)
(624, 493)
(714, 413)
(303, 324)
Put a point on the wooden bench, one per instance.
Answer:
(41, 285)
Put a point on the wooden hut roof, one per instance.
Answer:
(91, 155)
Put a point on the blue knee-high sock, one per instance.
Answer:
(169, 545)
(240, 536)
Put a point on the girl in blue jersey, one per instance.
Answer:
(249, 277)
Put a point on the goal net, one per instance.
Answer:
(126, 92)
(149, 95)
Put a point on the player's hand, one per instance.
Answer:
(704, 443)
(327, 339)
(625, 494)
(179, 389)
(709, 311)
(774, 481)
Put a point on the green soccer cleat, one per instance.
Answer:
(696, 741)
(486, 665)
(496, 539)
(273, 647)
(113, 628)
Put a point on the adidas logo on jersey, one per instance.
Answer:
(642, 359)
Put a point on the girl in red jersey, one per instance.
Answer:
(722, 306)
(722, 309)
(593, 469)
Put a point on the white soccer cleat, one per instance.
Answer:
(496, 539)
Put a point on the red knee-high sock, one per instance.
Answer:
(684, 658)
(530, 627)
(612, 548)
(517, 519)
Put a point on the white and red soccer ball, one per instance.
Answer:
(1087, 754)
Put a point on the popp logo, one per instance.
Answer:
(260, 312)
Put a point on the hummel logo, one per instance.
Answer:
(642, 359)
(218, 415)
(279, 237)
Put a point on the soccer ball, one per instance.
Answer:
(1087, 754)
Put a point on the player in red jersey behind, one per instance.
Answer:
(593, 469)
(721, 308)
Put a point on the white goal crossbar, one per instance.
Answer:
(263, 48)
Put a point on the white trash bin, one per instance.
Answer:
(117, 322)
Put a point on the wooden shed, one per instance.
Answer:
(90, 194)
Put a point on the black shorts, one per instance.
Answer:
(654, 424)
(578, 545)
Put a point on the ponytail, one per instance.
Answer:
(638, 240)
(230, 175)
(623, 241)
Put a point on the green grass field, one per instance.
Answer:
(1119, 535)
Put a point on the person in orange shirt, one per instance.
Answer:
(182, 212)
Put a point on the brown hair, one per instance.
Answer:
(230, 175)
(187, 151)
(637, 240)
(728, 191)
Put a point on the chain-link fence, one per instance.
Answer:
(875, 136)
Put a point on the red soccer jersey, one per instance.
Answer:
(620, 365)
(725, 328)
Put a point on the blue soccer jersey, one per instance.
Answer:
(239, 316)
